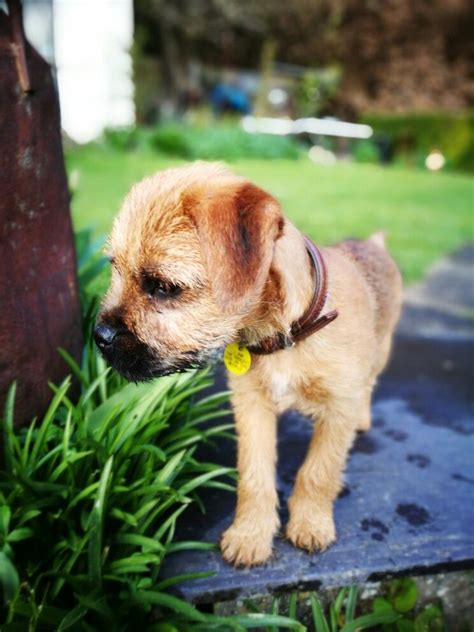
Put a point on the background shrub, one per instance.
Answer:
(122, 138)
(413, 136)
(365, 151)
(219, 142)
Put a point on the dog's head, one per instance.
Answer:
(191, 252)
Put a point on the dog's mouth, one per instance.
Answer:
(136, 362)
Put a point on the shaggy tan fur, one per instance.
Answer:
(245, 274)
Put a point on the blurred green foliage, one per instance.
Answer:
(413, 136)
(343, 614)
(402, 599)
(365, 151)
(408, 138)
(124, 138)
(316, 88)
(214, 142)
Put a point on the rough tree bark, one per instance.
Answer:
(39, 306)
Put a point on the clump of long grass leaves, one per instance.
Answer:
(341, 615)
(90, 495)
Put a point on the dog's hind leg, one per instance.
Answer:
(319, 480)
(383, 354)
(249, 540)
(364, 423)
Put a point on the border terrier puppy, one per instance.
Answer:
(201, 259)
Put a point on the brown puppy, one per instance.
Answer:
(202, 258)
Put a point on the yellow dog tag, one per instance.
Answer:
(237, 359)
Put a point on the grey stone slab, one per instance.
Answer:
(443, 304)
(407, 507)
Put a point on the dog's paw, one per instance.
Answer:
(243, 546)
(309, 529)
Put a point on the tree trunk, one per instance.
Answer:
(39, 306)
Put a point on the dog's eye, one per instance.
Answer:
(158, 288)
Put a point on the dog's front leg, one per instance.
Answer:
(250, 538)
(319, 480)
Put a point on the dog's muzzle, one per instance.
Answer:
(135, 360)
(121, 348)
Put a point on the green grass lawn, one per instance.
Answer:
(425, 215)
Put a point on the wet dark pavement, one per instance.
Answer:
(408, 504)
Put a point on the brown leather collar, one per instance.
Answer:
(311, 321)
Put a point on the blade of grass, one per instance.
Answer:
(9, 579)
(351, 603)
(47, 420)
(22, 533)
(8, 427)
(319, 620)
(141, 541)
(73, 617)
(190, 545)
(170, 602)
(5, 516)
(292, 605)
(200, 481)
(254, 620)
(369, 621)
(96, 384)
(73, 458)
(178, 579)
(168, 523)
(275, 611)
(83, 494)
(72, 364)
(67, 434)
(335, 610)
(125, 517)
(169, 471)
(96, 525)
(27, 443)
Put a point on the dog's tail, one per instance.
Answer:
(378, 239)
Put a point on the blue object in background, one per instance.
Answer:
(225, 97)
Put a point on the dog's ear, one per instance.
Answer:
(238, 225)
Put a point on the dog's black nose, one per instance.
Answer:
(104, 335)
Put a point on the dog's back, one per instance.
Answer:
(382, 276)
